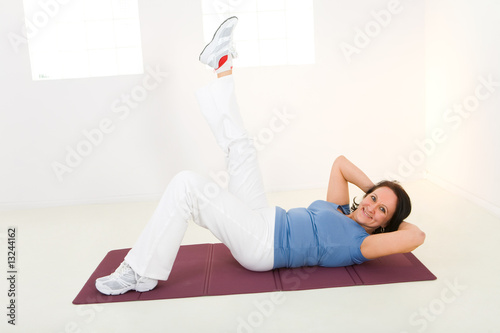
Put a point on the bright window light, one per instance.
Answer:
(269, 32)
(83, 38)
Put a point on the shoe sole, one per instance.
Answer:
(106, 291)
(215, 35)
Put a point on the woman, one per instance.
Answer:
(261, 237)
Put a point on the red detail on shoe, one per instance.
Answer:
(222, 61)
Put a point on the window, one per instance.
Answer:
(83, 38)
(269, 32)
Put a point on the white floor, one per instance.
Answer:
(58, 249)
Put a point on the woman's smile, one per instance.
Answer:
(368, 215)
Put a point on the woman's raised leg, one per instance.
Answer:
(219, 107)
(218, 104)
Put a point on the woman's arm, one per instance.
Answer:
(344, 172)
(406, 239)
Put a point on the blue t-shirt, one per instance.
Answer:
(317, 235)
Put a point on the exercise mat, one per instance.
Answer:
(210, 269)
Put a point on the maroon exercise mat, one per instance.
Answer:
(210, 269)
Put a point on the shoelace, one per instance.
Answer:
(232, 50)
(124, 270)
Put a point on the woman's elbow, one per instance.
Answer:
(422, 237)
(419, 238)
(416, 239)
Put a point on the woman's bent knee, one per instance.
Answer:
(196, 184)
(190, 180)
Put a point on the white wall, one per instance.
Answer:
(369, 109)
(461, 48)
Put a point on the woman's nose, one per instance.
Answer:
(371, 208)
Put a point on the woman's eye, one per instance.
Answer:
(382, 209)
(373, 197)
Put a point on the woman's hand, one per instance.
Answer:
(344, 172)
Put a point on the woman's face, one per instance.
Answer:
(376, 209)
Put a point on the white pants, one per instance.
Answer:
(239, 217)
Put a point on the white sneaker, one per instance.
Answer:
(123, 280)
(219, 52)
